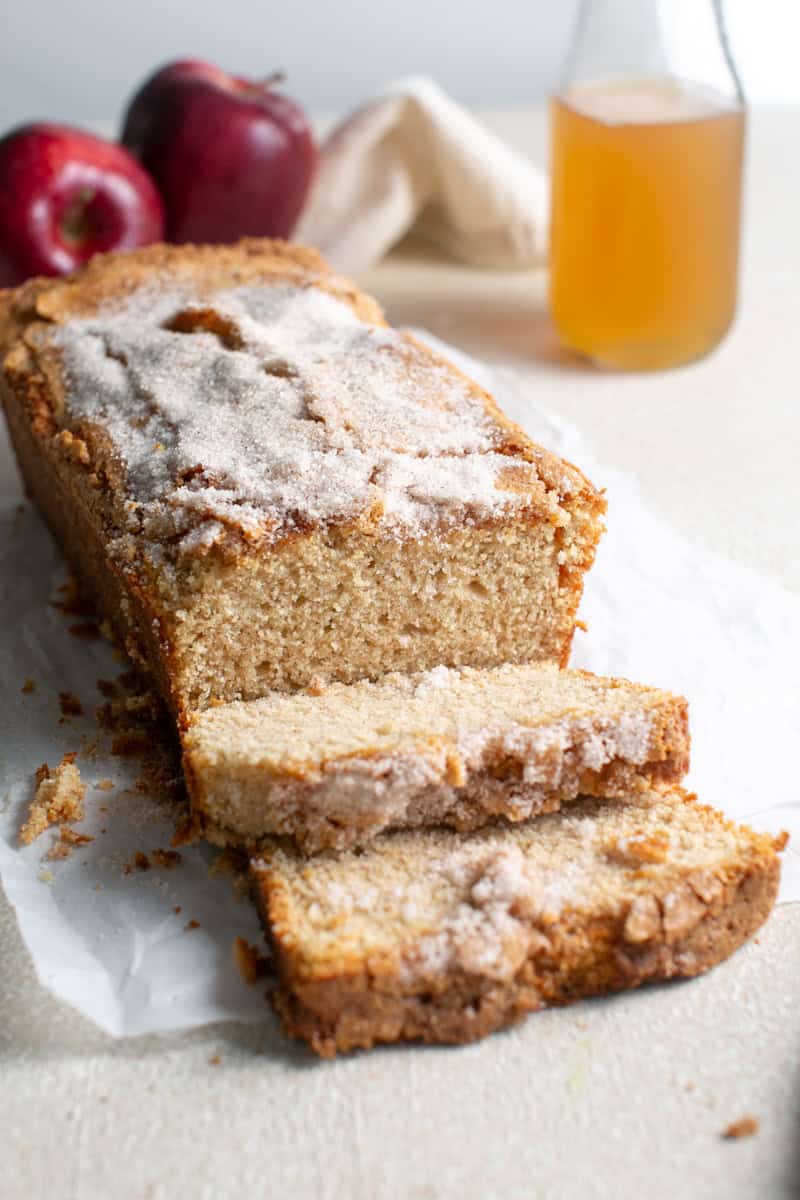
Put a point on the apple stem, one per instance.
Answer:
(74, 223)
(273, 79)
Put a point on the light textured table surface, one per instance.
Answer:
(616, 1098)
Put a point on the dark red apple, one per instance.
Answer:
(232, 157)
(66, 195)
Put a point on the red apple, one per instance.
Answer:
(232, 157)
(64, 196)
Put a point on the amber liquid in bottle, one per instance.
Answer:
(646, 194)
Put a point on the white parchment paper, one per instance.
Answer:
(109, 939)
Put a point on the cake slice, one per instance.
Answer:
(439, 937)
(265, 487)
(444, 747)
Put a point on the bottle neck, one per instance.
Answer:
(616, 38)
(632, 39)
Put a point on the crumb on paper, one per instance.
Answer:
(129, 713)
(214, 1061)
(745, 1127)
(131, 681)
(69, 704)
(160, 775)
(57, 851)
(165, 858)
(58, 799)
(130, 743)
(251, 964)
(140, 863)
(67, 840)
(88, 630)
(45, 876)
(232, 861)
(71, 837)
(242, 887)
(177, 909)
(135, 716)
(71, 601)
(186, 831)
(192, 924)
(104, 785)
(28, 686)
(228, 862)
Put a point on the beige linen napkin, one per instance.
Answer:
(414, 159)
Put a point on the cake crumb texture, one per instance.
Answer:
(58, 799)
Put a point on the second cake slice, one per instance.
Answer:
(443, 747)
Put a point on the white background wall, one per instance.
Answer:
(79, 60)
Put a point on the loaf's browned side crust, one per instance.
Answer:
(498, 791)
(77, 521)
(357, 1004)
(71, 471)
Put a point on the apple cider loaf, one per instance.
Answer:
(439, 937)
(264, 487)
(449, 746)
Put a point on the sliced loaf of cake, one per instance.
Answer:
(444, 747)
(443, 938)
(262, 485)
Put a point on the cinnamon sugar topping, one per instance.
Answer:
(266, 410)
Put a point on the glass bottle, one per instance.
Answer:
(647, 137)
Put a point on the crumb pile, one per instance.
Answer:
(58, 799)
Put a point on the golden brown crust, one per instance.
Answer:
(132, 610)
(109, 278)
